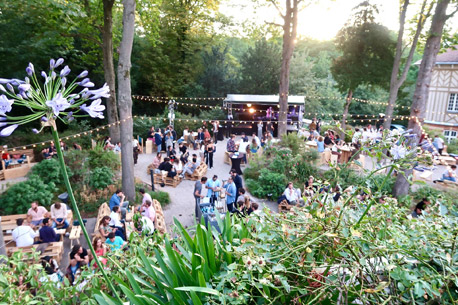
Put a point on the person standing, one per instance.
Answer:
(439, 144)
(230, 146)
(213, 188)
(158, 140)
(215, 130)
(270, 128)
(237, 181)
(210, 151)
(198, 195)
(135, 149)
(260, 125)
(231, 192)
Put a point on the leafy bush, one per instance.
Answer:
(452, 147)
(98, 157)
(162, 197)
(292, 141)
(76, 160)
(49, 171)
(100, 177)
(269, 183)
(17, 199)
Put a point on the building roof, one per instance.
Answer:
(449, 57)
(262, 99)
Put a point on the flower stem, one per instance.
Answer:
(75, 207)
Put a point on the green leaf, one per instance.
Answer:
(199, 289)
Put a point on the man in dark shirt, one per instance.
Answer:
(327, 139)
(420, 207)
(47, 234)
(237, 181)
(168, 167)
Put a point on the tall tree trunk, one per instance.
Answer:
(396, 79)
(420, 97)
(289, 37)
(108, 68)
(125, 98)
(345, 113)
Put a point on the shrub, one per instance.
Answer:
(49, 171)
(269, 183)
(98, 157)
(100, 177)
(76, 161)
(162, 197)
(17, 199)
(452, 147)
(292, 141)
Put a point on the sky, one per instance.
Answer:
(321, 21)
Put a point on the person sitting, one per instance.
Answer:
(309, 188)
(52, 149)
(156, 162)
(420, 207)
(6, 156)
(35, 214)
(327, 139)
(189, 167)
(78, 257)
(230, 146)
(105, 228)
(47, 234)
(246, 208)
(149, 211)
(171, 153)
(76, 146)
(117, 148)
(256, 138)
(241, 197)
(115, 243)
(107, 145)
(168, 167)
(115, 223)
(100, 250)
(449, 174)
(337, 194)
(23, 235)
(244, 137)
(254, 146)
(59, 215)
(46, 154)
(182, 148)
(118, 200)
(51, 268)
(292, 196)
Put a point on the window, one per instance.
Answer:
(453, 102)
(450, 135)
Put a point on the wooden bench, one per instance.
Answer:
(55, 250)
(75, 234)
(104, 210)
(200, 171)
(162, 178)
(160, 221)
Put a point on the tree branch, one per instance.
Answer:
(88, 37)
(277, 8)
(452, 13)
(273, 23)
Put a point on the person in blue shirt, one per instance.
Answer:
(212, 186)
(158, 140)
(118, 200)
(231, 192)
(320, 144)
(115, 242)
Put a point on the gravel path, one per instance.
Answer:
(182, 199)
